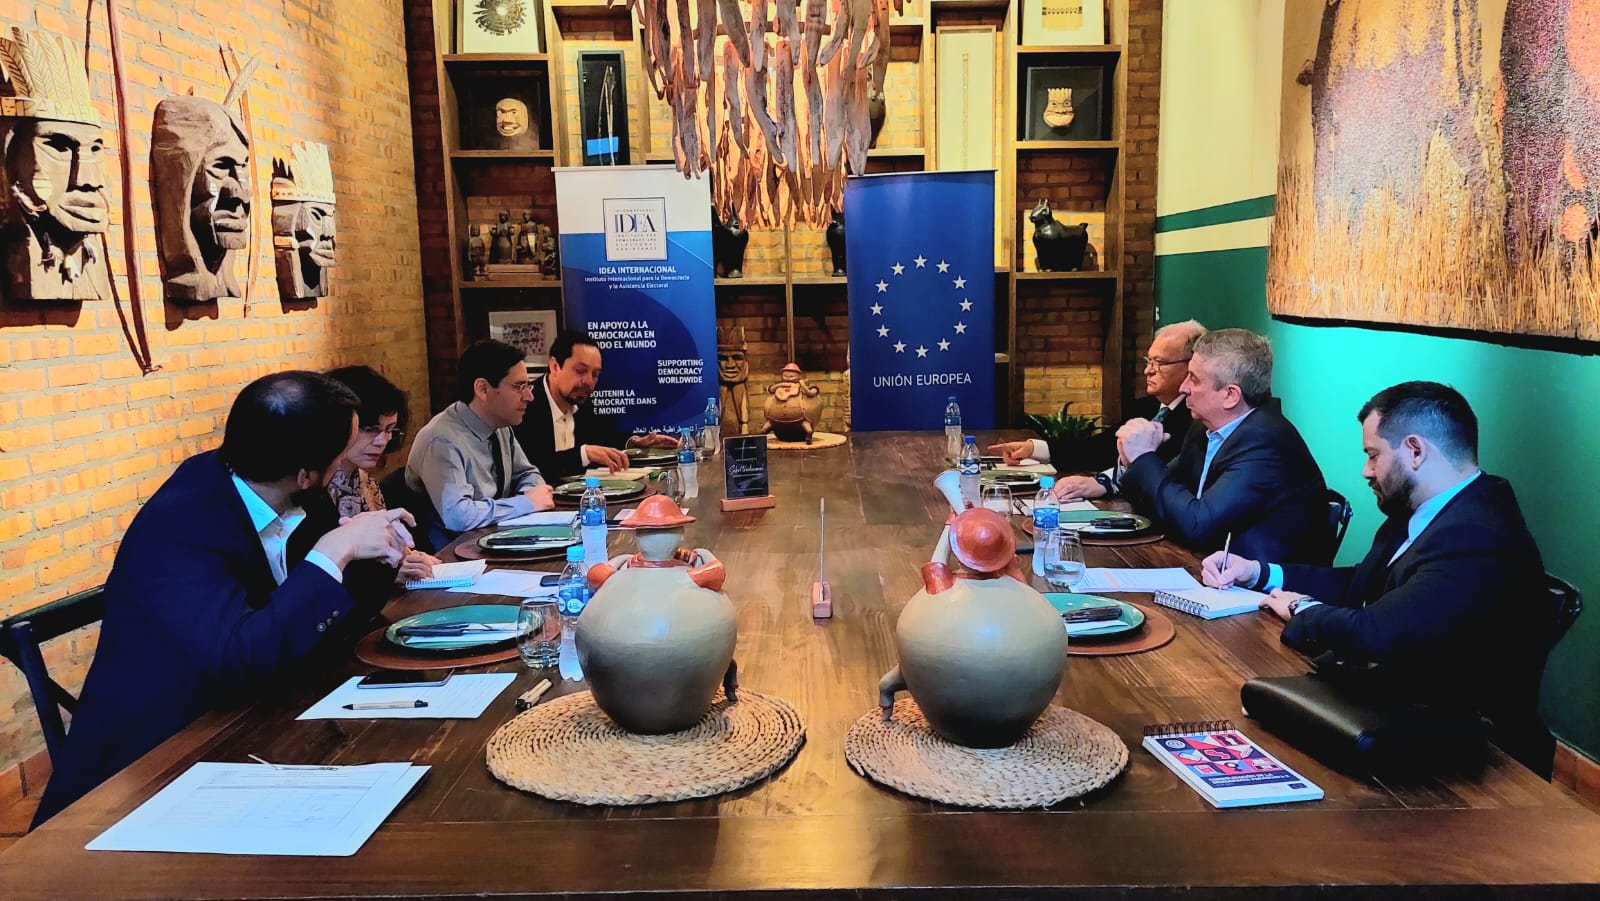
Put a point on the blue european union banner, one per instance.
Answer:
(636, 274)
(919, 248)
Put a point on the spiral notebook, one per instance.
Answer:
(1224, 766)
(1211, 603)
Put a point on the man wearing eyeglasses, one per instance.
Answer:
(1165, 365)
(466, 461)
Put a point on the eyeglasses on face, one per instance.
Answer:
(371, 433)
(1159, 363)
(518, 387)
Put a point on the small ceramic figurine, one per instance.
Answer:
(528, 240)
(657, 638)
(980, 651)
(792, 408)
(500, 251)
(478, 252)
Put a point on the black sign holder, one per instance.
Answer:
(748, 482)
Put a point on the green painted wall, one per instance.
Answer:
(1538, 420)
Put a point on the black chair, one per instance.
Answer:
(1339, 513)
(20, 638)
(396, 493)
(1566, 606)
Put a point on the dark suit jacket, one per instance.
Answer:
(1103, 451)
(1263, 486)
(194, 621)
(1459, 619)
(538, 436)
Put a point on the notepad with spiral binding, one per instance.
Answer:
(1212, 603)
(1224, 766)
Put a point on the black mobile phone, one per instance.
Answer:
(549, 580)
(405, 678)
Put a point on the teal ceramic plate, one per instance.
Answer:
(651, 456)
(1141, 525)
(1132, 617)
(525, 540)
(1016, 481)
(500, 616)
(613, 489)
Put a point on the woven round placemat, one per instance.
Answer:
(819, 441)
(374, 650)
(1065, 754)
(568, 750)
(1156, 631)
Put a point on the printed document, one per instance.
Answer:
(464, 696)
(1098, 580)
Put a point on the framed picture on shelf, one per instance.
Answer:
(603, 108)
(1065, 103)
(499, 26)
(531, 330)
(504, 113)
(1073, 22)
(964, 90)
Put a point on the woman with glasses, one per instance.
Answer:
(381, 416)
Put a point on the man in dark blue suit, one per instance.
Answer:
(1442, 610)
(210, 603)
(1247, 472)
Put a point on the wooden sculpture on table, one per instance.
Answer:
(53, 206)
(733, 377)
(200, 184)
(303, 224)
(657, 640)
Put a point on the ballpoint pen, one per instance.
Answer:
(386, 705)
(1226, 543)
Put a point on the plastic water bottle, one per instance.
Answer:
(713, 427)
(688, 465)
(971, 489)
(572, 589)
(952, 429)
(1046, 520)
(592, 522)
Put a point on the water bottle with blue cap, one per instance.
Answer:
(592, 522)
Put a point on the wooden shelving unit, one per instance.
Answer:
(1023, 165)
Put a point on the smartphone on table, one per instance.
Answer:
(405, 678)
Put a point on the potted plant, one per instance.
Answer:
(1075, 440)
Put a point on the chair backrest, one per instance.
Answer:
(20, 640)
(396, 493)
(1339, 512)
(1566, 605)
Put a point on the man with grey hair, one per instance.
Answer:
(1166, 364)
(1246, 473)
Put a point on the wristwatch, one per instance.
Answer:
(1298, 604)
(1106, 483)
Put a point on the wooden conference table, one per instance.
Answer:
(816, 828)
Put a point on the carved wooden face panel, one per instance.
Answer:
(200, 179)
(304, 243)
(54, 183)
(732, 366)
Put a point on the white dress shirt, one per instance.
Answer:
(565, 425)
(274, 529)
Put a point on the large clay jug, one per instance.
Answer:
(654, 646)
(981, 652)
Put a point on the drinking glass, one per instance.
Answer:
(672, 485)
(1063, 559)
(539, 632)
(997, 497)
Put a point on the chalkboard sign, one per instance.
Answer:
(745, 457)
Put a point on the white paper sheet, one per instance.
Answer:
(1099, 580)
(513, 583)
(252, 808)
(465, 696)
(547, 518)
(452, 575)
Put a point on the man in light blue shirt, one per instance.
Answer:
(1448, 607)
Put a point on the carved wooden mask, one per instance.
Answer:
(200, 181)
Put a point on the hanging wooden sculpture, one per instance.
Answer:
(53, 207)
(790, 108)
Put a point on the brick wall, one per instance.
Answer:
(1139, 188)
(86, 435)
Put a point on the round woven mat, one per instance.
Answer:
(1156, 631)
(1065, 754)
(819, 440)
(568, 750)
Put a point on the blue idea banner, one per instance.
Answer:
(920, 258)
(636, 274)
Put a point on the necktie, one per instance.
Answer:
(499, 455)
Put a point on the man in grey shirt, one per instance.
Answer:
(465, 459)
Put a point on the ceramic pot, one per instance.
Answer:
(1060, 248)
(982, 658)
(835, 237)
(654, 646)
(728, 243)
